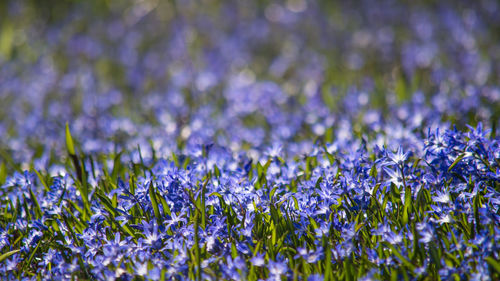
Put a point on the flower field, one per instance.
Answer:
(249, 140)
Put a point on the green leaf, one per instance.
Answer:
(69, 141)
(166, 207)
(38, 211)
(273, 234)
(3, 173)
(328, 136)
(295, 203)
(107, 204)
(329, 156)
(85, 199)
(216, 171)
(203, 203)
(348, 270)
(154, 202)
(373, 171)
(175, 159)
(8, 254)
(477, 205)
(273, 191)
(117, 166)
(401, 89)
(33, 253)
(6, 38)
(215, 194)
(41, 180)
(400, 257)
(459, 158)
(318, 183)
(407, 206)
(26, 208)
(328, 264)
(491, 261)
(197, 255)
(71, 231)
(313, 223)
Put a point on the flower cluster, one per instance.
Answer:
(431, 211)
(293, 140)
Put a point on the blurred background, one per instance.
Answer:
(165, 75)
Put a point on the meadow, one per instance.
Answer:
(249, 140)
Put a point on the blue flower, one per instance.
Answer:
(395, 177)
(399, 157)
(276, 269)
(258, 259)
